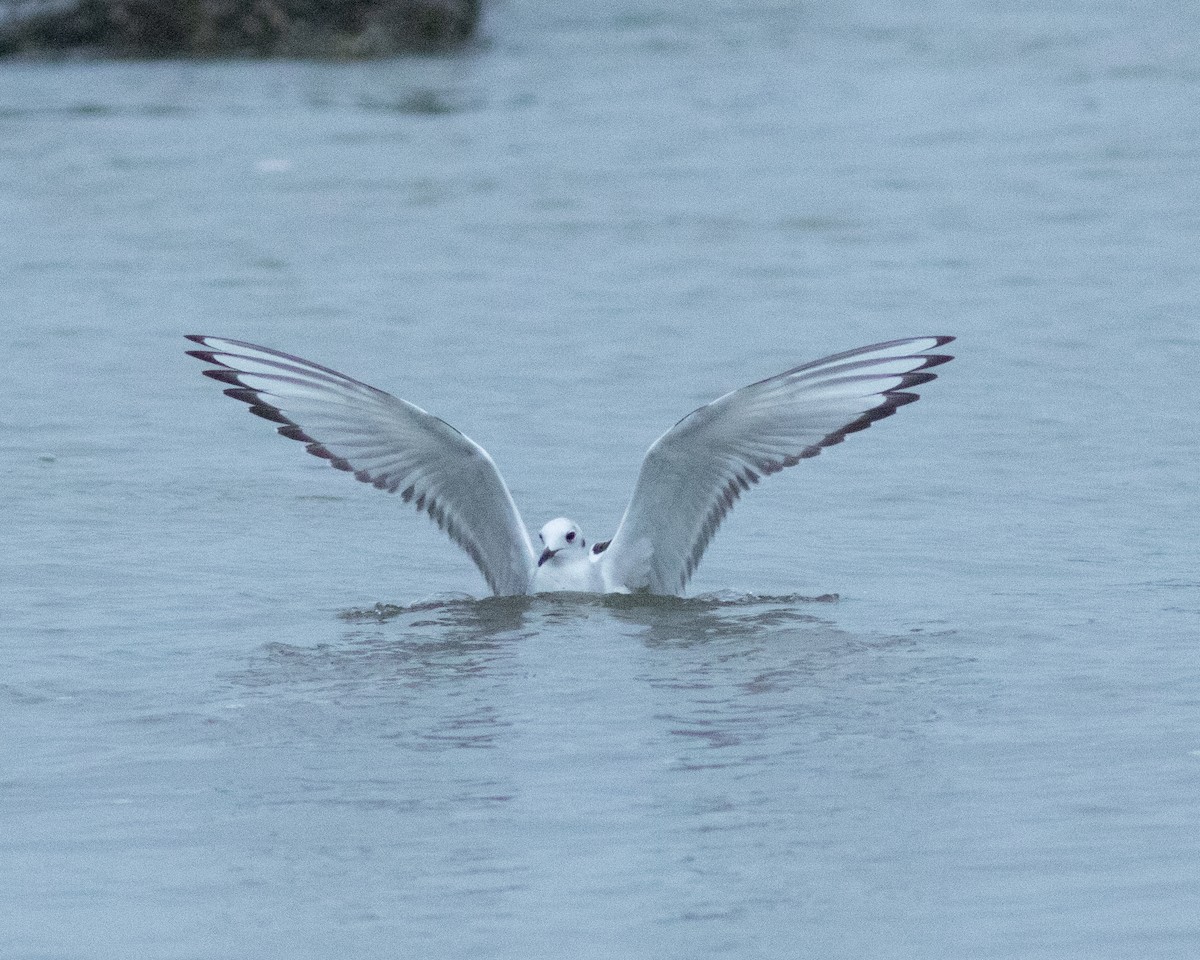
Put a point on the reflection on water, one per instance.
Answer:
(497, 614)
(458, 636)
(454, 673)
(620, 740)
(683, 621)
(457, 608)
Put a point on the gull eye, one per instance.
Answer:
(571, 537)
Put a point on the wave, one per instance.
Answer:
(462, 602)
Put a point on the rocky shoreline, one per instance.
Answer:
(335, 29)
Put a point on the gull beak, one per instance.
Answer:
(546, 555)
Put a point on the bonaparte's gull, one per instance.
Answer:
(690, 478)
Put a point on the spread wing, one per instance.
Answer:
(386, 442)
(694, 473)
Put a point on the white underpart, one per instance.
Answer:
(689, 479)
(577, 572)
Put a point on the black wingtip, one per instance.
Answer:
(291, 431)
(223, 375)
(914, 379)
(244, 394)
(936, 359)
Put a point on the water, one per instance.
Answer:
(249, 709)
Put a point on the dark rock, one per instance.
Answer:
(171, 28)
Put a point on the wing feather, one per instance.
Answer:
(695, 472)
(386, 442)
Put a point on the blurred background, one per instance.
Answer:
(249, 707)
(164, 28)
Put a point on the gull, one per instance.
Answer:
(689, 480)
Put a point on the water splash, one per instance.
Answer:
(382, 612)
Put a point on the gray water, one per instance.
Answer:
(250, 708)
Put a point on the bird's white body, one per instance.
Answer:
(566, 563)
(689, 480)
(574, 570)
(577, 573)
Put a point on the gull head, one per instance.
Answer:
(561, 535)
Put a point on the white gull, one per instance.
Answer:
(689, 480)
